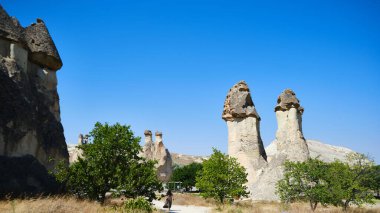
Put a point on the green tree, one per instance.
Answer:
(222, 177)
(304, 181)
(186, 174)
(375, 180)
(111, 161)
(348, 181)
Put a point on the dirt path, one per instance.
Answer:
(181, 208)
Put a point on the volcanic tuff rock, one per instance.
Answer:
(29, 103)
(290, 144)
(157, 151)
(243, 122)
(289, 137)
(317, 149)
(245, 144)
(238, 103)
(183, 160)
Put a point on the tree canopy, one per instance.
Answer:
(336, 183)
(222, 177)
(304, 181)
(186, 174)
(348, 181)
(111, 160)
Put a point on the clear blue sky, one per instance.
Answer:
(168, 65)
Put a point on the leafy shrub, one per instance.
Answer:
(138, 204)
(222, 177)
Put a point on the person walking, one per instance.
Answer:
(169, 200)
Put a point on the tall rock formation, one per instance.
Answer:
(157, 151)
(289, 145)
(289, 137)
(243, 122)
(148, 148)
(29, 103)
(245, 144)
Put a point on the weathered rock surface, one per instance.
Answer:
(10, 28)
(25, 175)
(289, 137)
(290, 145)
(324, 152)
(42, 47)
(183, 160)
(245, 144)
(157, 151)
(29, 103)
(243, 122)
(238, 103)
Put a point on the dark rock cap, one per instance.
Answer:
(10, 28)
(147, 132)
(41, 46)
(238, 103)
(288, 100)
(158, 133)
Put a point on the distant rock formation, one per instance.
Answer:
(74, 151)
(243, 122)
(183, 160)
(157, 151)
(29, 110)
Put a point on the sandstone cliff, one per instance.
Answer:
(29, 102)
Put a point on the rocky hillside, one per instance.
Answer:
(182, 159)
(324, 152)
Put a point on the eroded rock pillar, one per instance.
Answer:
(243, 122)
(289, 137)
(148, 146)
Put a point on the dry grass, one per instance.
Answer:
(192, 199)
(58, 204)
(259, 207)
(63, 204)
(274, 207)
(51, 204)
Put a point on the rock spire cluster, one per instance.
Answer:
(157, 151)
(245, 144)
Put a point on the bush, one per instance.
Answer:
(138, 204)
